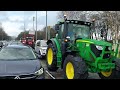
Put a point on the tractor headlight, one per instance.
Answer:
(39, 72)
(109, 48)
(99, 47)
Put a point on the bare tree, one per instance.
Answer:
(105, 21)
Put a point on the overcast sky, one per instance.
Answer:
(13, 21)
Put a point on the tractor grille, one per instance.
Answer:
(98, 52)
(95, 50)
(107, 55)
(30, 76)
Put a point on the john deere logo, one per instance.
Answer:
(17, 77)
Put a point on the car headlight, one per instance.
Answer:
(39, 72)
(99, 47)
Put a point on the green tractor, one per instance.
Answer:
(76, 53)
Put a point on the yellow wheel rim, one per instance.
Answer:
(69, 70)
(107, 74)
(50, 56)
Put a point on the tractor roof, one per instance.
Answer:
(76, 22)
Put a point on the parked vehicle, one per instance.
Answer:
(23, 40)
(28, 40)
(41, 47)
(20, 62)
(16, 43)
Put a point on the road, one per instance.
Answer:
(59, 73)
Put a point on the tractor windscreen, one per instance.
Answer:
(78, 31)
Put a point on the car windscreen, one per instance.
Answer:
(17, 54)
(43, 43)
(16, 43)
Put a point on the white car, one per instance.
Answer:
(41, 47)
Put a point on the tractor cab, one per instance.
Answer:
(73, 29)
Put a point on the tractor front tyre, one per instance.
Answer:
(112, 73)
(74, 68)
(117, 63)
(108, 74)
(51, 57)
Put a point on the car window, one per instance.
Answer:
(17, 53)
(38, 43)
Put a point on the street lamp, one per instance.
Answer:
(36, 25)
(33, 23)
(46, 25)
(24, 24)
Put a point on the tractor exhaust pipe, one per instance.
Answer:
(65, 17)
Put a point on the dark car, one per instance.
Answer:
(20, 62)
(16, 43)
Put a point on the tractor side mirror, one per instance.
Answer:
(57, 27)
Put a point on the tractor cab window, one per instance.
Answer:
(61, 31)
(78, 31)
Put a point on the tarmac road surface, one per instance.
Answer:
(59, 73)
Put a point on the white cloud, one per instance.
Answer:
(39, 14)
(42, 13)
(13, 22)
(3, 13)
(16, 18)
(11, 28)
(30, 27)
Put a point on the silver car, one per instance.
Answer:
(41, 47)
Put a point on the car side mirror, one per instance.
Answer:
(37, 55)
(56, 27)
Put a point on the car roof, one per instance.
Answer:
(17, 46)
(41, 40)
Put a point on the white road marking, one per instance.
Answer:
(50, 74)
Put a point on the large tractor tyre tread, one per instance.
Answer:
(115, 72)
(53, 67)
(80, 68)
(112, 75)
(117, 63)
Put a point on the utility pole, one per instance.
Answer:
(49, 32)
(24, 24)
(36, 25)
(2, 35)
(33, 23)
(46, 25)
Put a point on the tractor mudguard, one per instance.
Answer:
(51, 41)
(55, 42)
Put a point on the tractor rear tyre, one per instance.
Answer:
(112, 74)
(74, 68)
(51, 57)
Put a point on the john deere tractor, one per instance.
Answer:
(76, 53)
